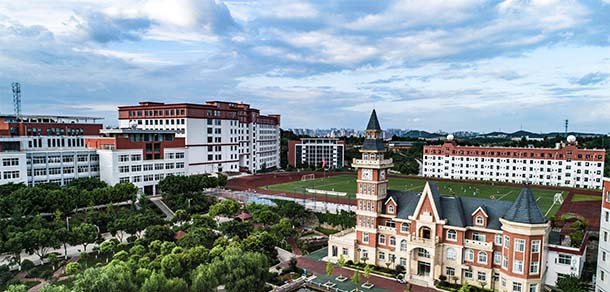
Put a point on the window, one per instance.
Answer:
(344, 251)
(404, 227)
(498, 240)
(392, 240)
(123, 169)
(10, 161)
(124, 179)
(534, 268)
(564, 259)
(468, 274)
(516, 287)
(148, 167)
(506, 241)
(505, 262)
(403, 245)
(482, 257)
(520, 245)
(423, 253)
(478, 237)
(382, 255)
(135, 168)
(451, 254)
(381, 239)
(497, 258)
(533, 287)
(365, 237)
(469, 255)
(452, 235)
(481, 276)
(479, 220)
(136, 157)
(535, 246)
(390, 209)
(122, 158)
(518, 267)
(449, 271)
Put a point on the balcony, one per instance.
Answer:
(481, 245)
(386, 228)
(372, 163)
(425, 242)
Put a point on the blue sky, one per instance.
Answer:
(451, 65)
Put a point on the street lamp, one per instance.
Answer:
(68, 222)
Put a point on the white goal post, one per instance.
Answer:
(558, 198)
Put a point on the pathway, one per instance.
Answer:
(295, 249)
(319, 268)
(169, 214)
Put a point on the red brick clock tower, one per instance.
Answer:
(372, 188)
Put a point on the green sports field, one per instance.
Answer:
(347, 184)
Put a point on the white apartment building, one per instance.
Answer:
(313, 151)
(142, 157)
(564, 258)
(37, 149)
(219, 136)
(565, 165)
(603, 254)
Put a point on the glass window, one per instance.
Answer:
(469, 255)
(452, 235)
(520, 245)
(403, 245)
(451, 254)
(482, 257)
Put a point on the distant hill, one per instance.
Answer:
(496, 134)
(422, 134)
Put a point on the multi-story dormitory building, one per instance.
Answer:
(153, 140)
(37, 149)
(220, 136)
(603, 255)
(314, 151)
(498, 244)
(565, 165)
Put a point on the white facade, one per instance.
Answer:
(563, 261)
(603, 254)
(128, 165)
(313, 151)
(551, 167)
(44, 159)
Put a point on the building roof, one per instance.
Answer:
(525, 209)
(373, 122)
(458, 210)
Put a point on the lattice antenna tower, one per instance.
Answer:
(17, 99)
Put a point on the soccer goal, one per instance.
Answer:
(307, 177)
(558, 199)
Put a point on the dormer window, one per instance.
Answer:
(479, 220)
(390, 209)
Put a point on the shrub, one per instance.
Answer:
(27, 265)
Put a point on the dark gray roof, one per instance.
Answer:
(525, 209)
(373, 144)
(373, 122)
(457, 210)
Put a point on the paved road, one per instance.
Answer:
(319, 268)
(169, 214)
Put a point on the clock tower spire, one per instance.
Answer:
(372, 184)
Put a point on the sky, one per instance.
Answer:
(478, 65)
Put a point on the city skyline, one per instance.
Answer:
(524, 64)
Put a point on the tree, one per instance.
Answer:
(53, 260)
(465, 287)
(17, 288)
(73, 268)
(107, 248)
(159, 232)
(236, 228)
(54, 288)
(65, 236)
(15, 245)
(570, 283)
(356, 279)
(341, 263)
(283, 228)
(114, 277)
(40, 241)
(86, 234)
(157, 282)
(367, 272)
(237, 270)
(226, 207)
(170, 265)
(329, 268)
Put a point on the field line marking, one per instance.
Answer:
(504, 195)
(549, 210)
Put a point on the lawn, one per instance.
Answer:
(585, 198)
(347, 183)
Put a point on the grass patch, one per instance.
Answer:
(347, 183)
(326, 231)
(585, 198)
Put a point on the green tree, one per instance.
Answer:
(367, 273)
(114, 277)
(159, 232)
(107, 248)
(341, 263)
(157, 282)
(17, 288)
(53, 260)
(356, 279)
(73, 268)
(54, 288)
(170, 265)
(40, 241)
(226, 207)
(569, 284)
(237, 270)
(465, 287)
(86, 234)
(329, 268)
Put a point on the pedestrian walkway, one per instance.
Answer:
(295, 249)
(319, 268)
